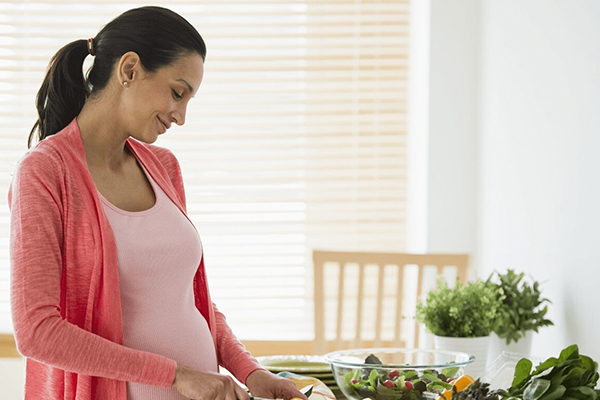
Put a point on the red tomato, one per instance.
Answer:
(389, 384)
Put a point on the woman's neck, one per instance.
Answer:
(102, 135)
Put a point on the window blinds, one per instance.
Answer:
(296, 139)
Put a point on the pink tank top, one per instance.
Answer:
(159, 252)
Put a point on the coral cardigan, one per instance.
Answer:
(66, 303)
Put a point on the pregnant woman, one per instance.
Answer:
(109, 292)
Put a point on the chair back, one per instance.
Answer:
(368, 299)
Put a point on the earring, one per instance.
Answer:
(125, 83)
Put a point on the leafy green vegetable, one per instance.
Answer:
(549, 363)
(438, 386)
(522, 370)
(372, 359)
(570, 376)
(450, 371)
(537, 389)
(373, 378)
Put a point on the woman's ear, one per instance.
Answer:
(129, 67)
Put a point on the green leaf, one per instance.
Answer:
(431, 376)
(549, 363)
(587, 379)
(536, 390)
(372, 359)
(522, 370)
(410, 373)
(569, 353)
(555, 394)
(588, 363)
(353, 374)
(373, 378)
(574, 377)
(386, 391)
(450, 372)
(582, 392)
(438, 385)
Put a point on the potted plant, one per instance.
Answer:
(522, 312)
(462, 318)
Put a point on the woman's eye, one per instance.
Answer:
(177, 95)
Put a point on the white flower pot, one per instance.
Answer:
(477, 347)
(498, 345)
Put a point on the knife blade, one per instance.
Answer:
(307, 391)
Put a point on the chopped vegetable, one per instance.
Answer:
(458, 384)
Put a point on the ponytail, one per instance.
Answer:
(63, 92)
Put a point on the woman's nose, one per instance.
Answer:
(178, 116)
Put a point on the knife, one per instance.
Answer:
(307, 391)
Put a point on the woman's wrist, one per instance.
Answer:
(254, 375)
(178, 372)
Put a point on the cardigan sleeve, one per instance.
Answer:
(37, 199)
(231, 353)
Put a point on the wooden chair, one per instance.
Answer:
(7, 346)
(367, 299)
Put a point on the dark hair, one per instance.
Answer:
(159, 36)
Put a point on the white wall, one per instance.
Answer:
(11, 378)
(453, 125)
(521, 189)
(540, 157)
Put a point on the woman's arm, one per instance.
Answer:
(232, 354)
(38, 277)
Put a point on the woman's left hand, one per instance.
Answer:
(263, 383)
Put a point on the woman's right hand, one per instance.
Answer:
(194, 384)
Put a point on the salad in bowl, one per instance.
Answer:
(398, 373)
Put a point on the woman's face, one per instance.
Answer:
(153, 101)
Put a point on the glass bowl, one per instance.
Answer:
(402, 374)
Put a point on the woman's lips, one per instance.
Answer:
(164, 126)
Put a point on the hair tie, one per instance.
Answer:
(90, 46)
